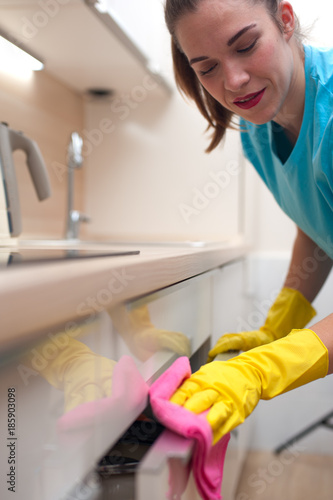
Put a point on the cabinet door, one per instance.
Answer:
(56, 438)
(78, 389)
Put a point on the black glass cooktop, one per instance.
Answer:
(26, 256)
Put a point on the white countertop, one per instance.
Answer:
(35, 299)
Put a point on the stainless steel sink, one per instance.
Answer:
(17, 251)
(43, 251)
(61, 243)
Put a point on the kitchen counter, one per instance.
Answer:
(160, 304)
(39, 298)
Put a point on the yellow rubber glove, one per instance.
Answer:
(290, 310)
(142, 337)
(232, 389)
(75, 369)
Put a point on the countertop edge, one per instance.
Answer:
(34, 300)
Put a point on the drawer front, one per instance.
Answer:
(50, 455)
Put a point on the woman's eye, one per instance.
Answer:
(247, 49)
(209, 70)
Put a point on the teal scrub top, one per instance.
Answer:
(301, 177)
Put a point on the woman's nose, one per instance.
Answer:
(235, 76)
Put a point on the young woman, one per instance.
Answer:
(244, 59)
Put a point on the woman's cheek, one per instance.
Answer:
(268, 54)
(214, 89)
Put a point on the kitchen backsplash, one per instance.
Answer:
(47, 112)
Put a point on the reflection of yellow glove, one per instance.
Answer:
(82, 374)
(232, 389)
(290, 310)
(142, 337)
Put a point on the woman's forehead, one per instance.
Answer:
(216, 19)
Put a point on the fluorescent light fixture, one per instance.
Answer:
(17, 60)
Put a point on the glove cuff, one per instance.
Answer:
(291, 310)
(299, 301)
(299, 358)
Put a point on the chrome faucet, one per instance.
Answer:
(74, 161)
(10, 212)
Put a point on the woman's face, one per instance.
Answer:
(240, 56)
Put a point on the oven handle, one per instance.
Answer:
(168, 446)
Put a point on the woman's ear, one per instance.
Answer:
(287, 17)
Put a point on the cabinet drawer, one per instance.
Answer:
(51, 461)
(51, 464)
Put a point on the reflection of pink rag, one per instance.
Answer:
(208, 460)
(129, 391)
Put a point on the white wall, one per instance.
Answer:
(317, 18)
(149, 178)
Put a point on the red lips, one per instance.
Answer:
(250, 100)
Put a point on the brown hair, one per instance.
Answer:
(219, 118)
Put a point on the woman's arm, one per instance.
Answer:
(231, 389)
(308, 270)
(309, 267)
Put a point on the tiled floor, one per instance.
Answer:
(288, 476)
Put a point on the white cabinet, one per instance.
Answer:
(142, 23)
(57, 443)
(77, 47)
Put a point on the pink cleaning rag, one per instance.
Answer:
(208, 460)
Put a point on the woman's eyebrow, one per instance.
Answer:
(229, 43)
(240, 33)
(197, 59)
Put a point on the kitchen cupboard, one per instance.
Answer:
(50, 459)
(56, 444)
(143, 22)
(81, 45)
